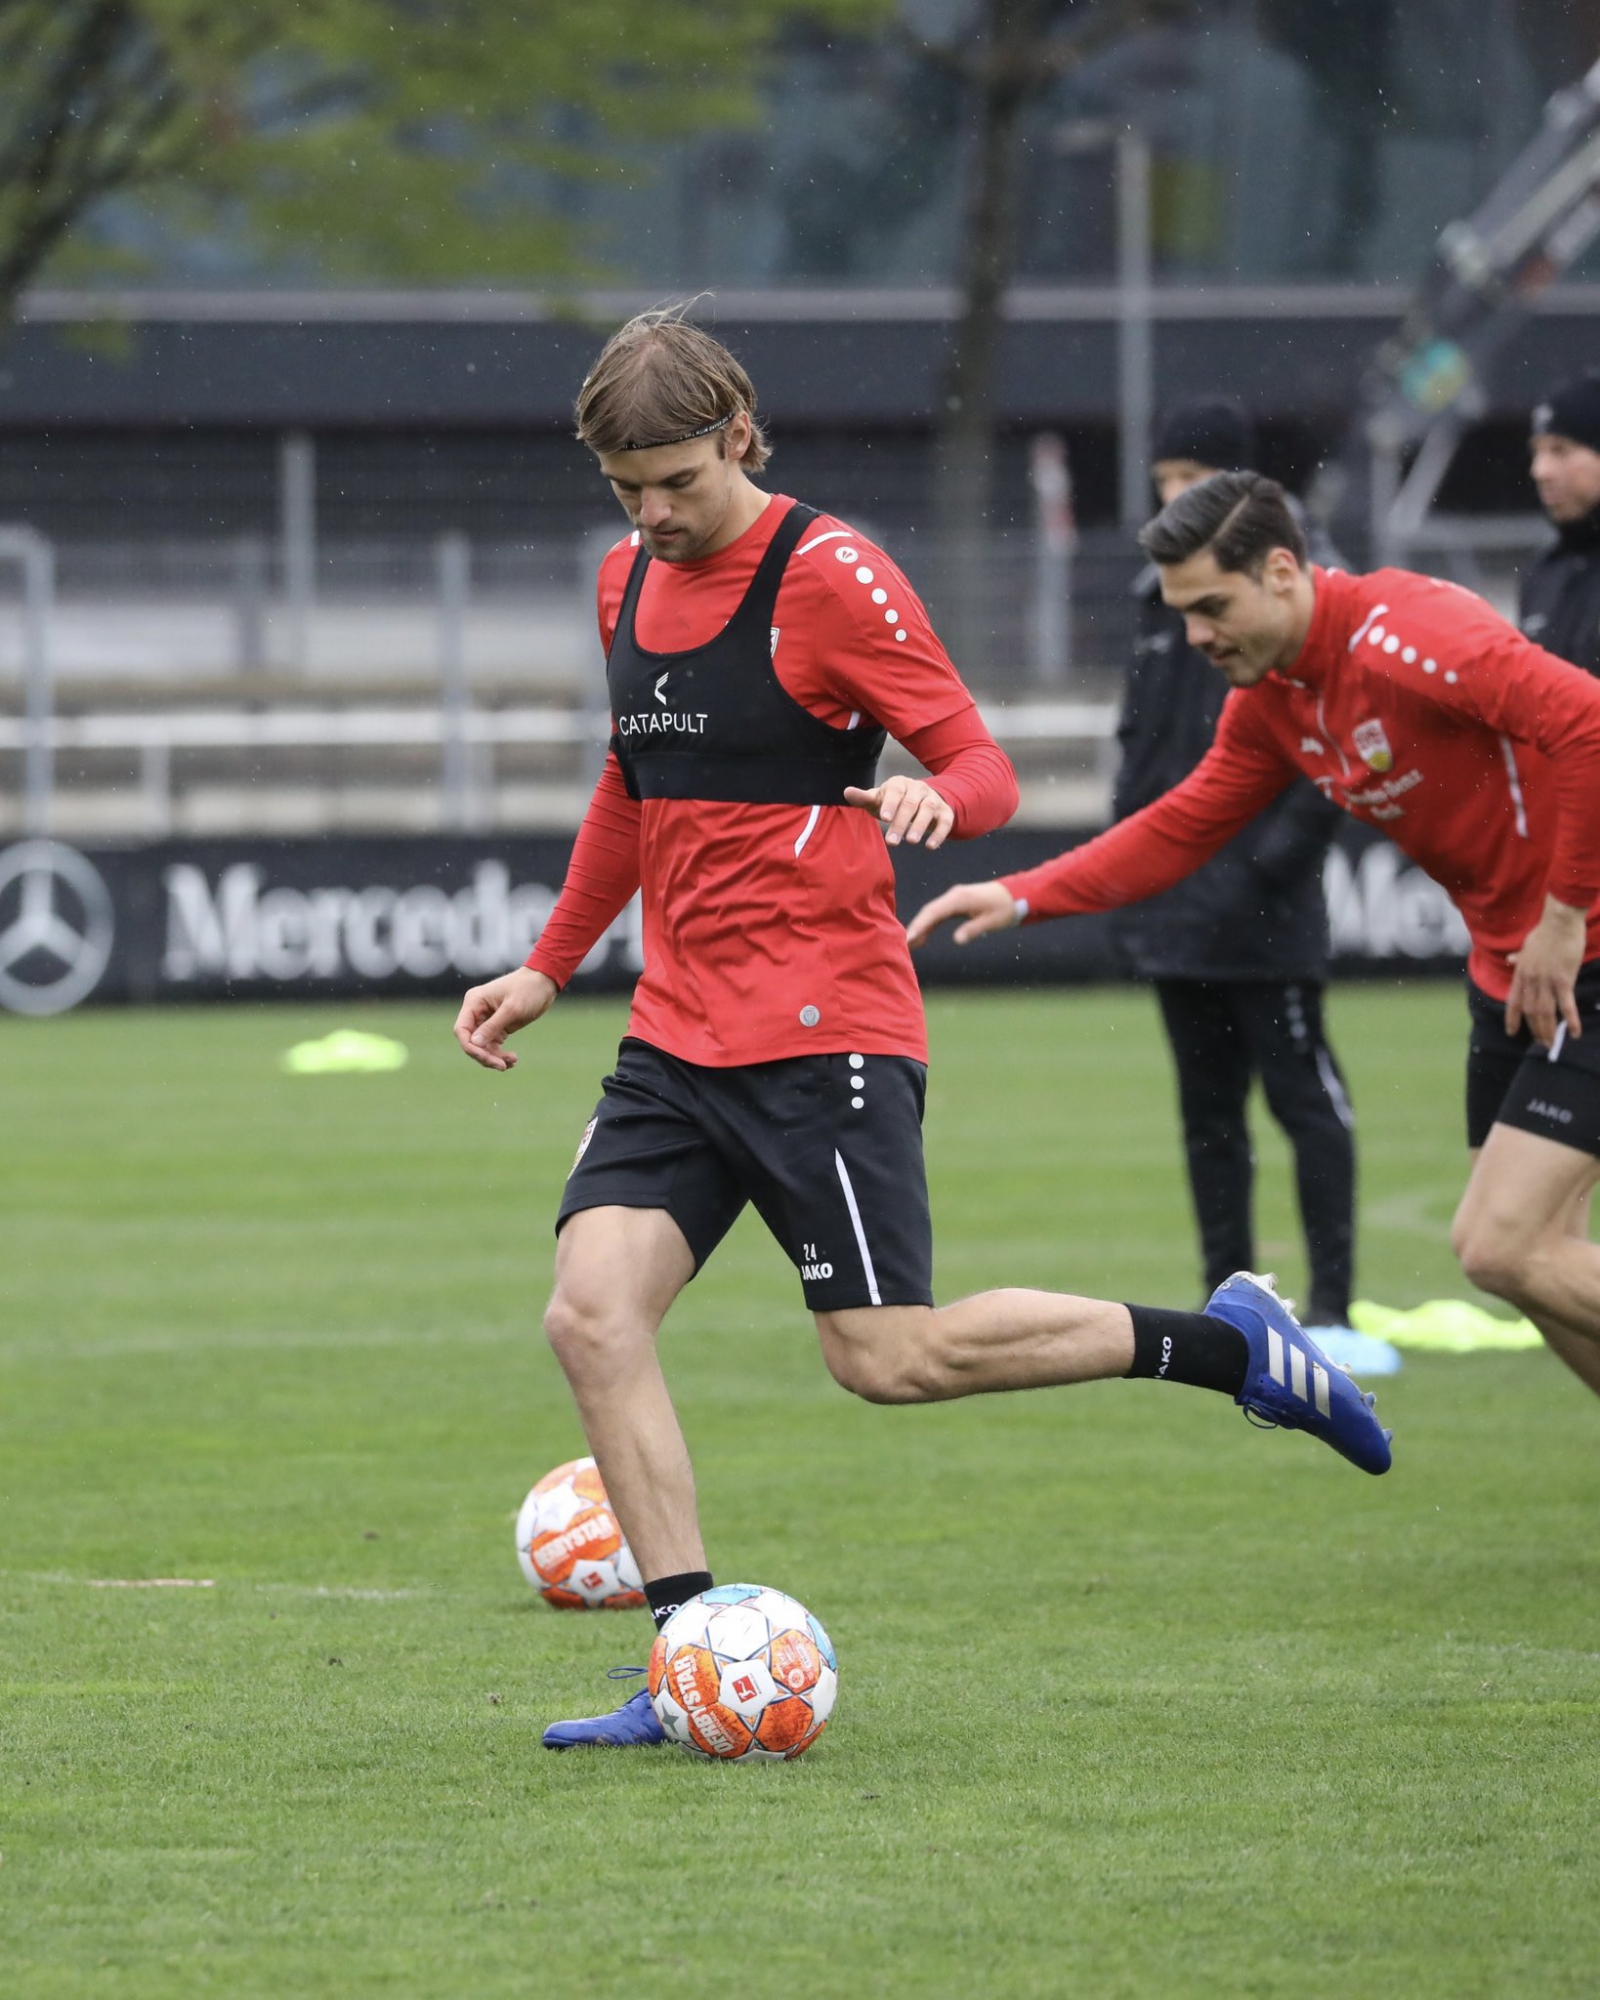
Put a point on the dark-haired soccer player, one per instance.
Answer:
(1237, 952)
(1413, 705)
(757, 652)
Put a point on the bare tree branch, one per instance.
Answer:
(105, 98)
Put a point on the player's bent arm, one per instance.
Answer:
(909, 808)
(1145, 854)
(969, 771)
(870, 649)
(491, 1012)
(1166, 840)
(972, 790)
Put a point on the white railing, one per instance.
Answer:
(466, 782)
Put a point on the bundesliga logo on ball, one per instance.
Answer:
(742, 1673)
(570, 1546)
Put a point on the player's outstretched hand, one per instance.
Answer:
(491, 1012)
(987, 906)
(1545, 972)
(910, 810)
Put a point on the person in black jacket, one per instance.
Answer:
(1560, 608)
(1238, 953)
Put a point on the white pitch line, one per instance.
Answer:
(151, 1582)
(358, 1592)
(341, 1590)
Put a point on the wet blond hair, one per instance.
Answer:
(659, 380)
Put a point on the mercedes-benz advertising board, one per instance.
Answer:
(254, 919)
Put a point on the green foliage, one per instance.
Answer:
(1135, 1700)
(424, 139)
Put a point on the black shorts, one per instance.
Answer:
(1514, 1080)
(829, 1148)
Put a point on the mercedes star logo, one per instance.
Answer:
(56, 924)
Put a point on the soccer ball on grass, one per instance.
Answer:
(570, 1546)
(743, 1673)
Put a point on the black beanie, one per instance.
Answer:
(1211, 432)
(1572, 411)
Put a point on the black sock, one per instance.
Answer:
(666, 1593)
(1188, 1347)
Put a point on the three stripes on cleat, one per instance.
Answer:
(1296, 1382)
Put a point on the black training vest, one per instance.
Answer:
(715, 722)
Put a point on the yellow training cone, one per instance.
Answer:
(1443, 1326)
(345, 1049)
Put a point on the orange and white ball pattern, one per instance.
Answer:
(569, 1544)
(743, 1673)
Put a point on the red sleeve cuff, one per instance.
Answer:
(971, 773)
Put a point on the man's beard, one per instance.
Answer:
(679, 549)
(688, 544)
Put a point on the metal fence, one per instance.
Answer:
(162, 613)
(1034, 618)
(228, 686)
(451, 765)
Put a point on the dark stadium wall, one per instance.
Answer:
(428, 422)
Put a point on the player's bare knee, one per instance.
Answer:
(564, 1325)
(582, 1334)
(877, 1378)
(853, 1366)
(1489, 1258)
(879, 1357)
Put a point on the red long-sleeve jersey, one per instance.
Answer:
(1413, 705)
(770, 930)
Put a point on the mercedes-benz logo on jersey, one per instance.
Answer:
(56, 925)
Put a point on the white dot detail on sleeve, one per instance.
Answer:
(1452, 676)
(1430, 666)
(1391, 644)
(863, 575)
(891, 618)
(1375, 636)
(858, 1062)
(880, 595)
(856, 1103)
(1409, 655)
(901, 633)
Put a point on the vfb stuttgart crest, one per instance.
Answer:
(1372, 746)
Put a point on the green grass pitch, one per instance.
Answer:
(1134, 1700)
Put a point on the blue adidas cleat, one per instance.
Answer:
(634, 1722)
(1290, 1381)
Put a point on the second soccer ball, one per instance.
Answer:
(570, 1546)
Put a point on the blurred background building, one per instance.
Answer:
(263, 486)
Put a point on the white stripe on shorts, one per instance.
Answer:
(855, 1223)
